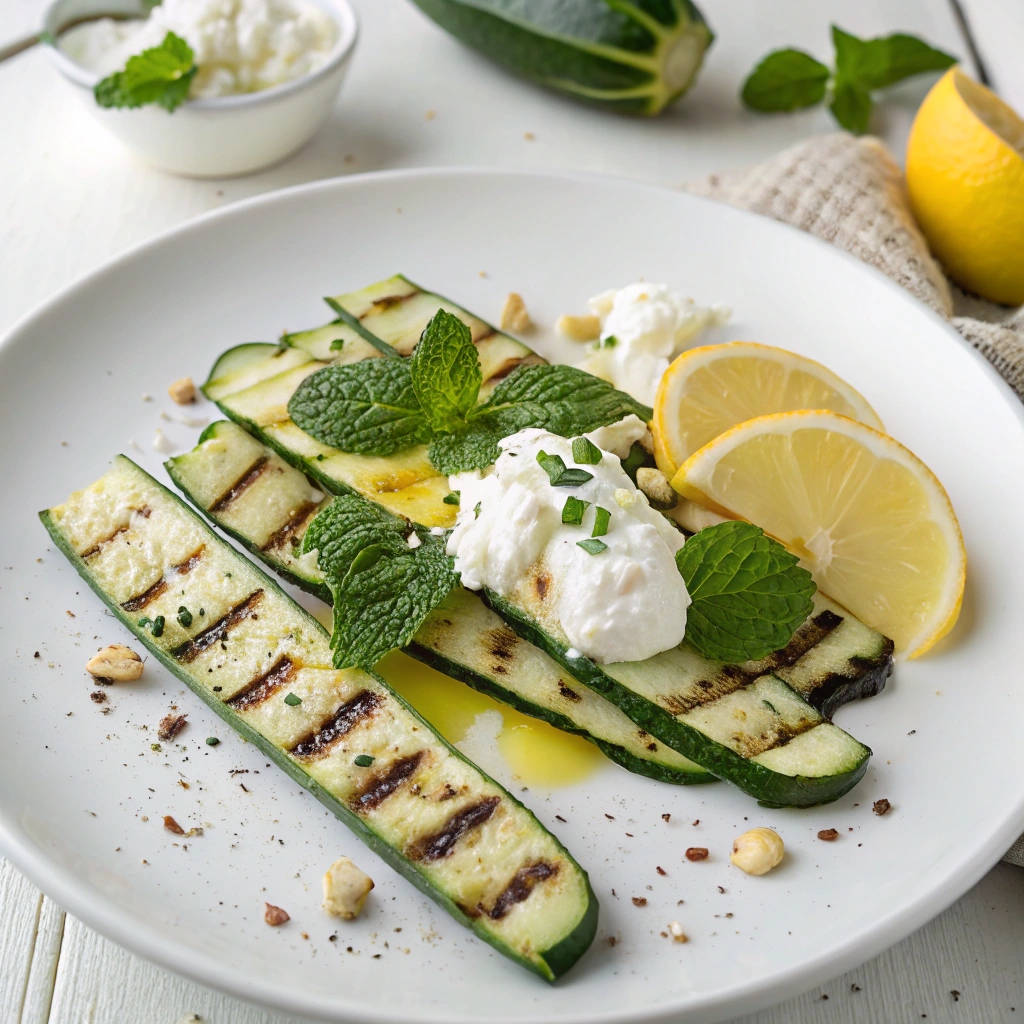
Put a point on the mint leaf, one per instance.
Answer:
(561, 399)
(573, 509)
(558, 474)
(585, 452)
(785, 80)
(592, 546)
(446, 373)
(162, 74)
(369, 407)
(886, 60)
(851, 106)
(382, 589)
(602, 517)
(748, 593)
(474, 448)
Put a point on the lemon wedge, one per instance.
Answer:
(868, 518)
(707, 390)
(965, 177)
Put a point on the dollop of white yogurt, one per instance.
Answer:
(627, 603)
(643, 327)
(239, 45)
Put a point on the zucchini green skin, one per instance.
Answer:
(629, 56)
(549, 963)
(771, 788)
(448, 632)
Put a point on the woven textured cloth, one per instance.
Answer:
(850, 192)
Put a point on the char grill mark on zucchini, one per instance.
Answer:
(151, 593)
(356, 712)
(264, 686)
(100, 544)
(462, 638)
(238, 488)
(748, 728)
(261, 641)
(380, 786)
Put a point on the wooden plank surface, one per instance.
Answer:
(68, 181)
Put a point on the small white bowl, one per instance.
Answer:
(222, 136)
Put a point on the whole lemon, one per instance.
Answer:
(965, 176)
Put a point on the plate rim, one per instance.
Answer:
(64, 887)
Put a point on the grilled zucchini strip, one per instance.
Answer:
(245, 646)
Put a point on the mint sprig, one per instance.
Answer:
(383, 406)
(162, 74)
(791, 79)
(748, 593)
(382, 589)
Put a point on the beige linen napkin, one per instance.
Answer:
(850, 192)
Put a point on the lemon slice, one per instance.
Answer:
(965, 178)
(869, 519)
(708, 390)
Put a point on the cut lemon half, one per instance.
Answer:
(868, 518)
(708, 390)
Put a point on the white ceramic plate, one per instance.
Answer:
(78, 785)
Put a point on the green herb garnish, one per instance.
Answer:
(363, 760)
(592, 546)
(476, 510)
(558, 474)
(292, 700)
(602, 517)
(382, 588)
(749, 594)
(184, 617)
(791, 79)
(212, 741)
(337, 344)
(383, 406)
(585, 452)
(162, 74)
(572, 511)
(155, 746)
(157, 629)
(452, 498)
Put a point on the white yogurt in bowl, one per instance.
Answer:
(269, 72)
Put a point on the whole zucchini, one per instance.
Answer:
(631, 56)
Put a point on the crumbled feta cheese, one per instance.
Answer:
(239, 45)
(413, 540)
(620, 436)
(643, 327)
(626, 603)
(345, 889)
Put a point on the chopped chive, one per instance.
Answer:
(319, 458)
(770, 706)
(158, 626)
(558, 474)
(601, 519)
(363, 760)
(212, 741)
(184, 617)
(592, 546)
(292, 701)
(452, 498)
(610, 342)
(145, 621)
(337, 344)
(476, 510)
(573, 509)
(585, 452)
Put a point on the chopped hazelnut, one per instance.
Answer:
(655, 485)
(828, 835)
(183, 391)
(115, 663)
(345, 889)
(675, 929)
(170, 726)
(579, 328)
(275, 916)
(514, 315)
(757, 851)
(697, 853)
(881, 807)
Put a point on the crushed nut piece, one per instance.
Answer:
(514, 315)
(697, 853)
(98, 697)
(639, 901)
(345, 889)
(881, 807)
(579, 328)
(115, 663)
(666, 817)
(183, 391)
(757, 851)
(675, 929)
(655, 485)
(172, 826)
(170, 726)
(660, 869)
(275, 916)
(828, 835)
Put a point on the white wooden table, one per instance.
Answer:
(70, 199)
